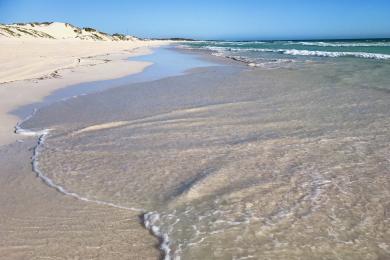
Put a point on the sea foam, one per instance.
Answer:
(335, 54)
(343, 44)
(295, 52)
(151, 220)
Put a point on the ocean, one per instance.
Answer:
(274, 54)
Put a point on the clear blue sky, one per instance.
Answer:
(212, 19)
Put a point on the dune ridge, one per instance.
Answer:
(58, 30)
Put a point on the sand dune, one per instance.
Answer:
(57, 30)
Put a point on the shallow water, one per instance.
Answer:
(236, 162)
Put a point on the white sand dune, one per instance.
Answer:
(56, 30)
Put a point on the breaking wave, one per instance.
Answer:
(335, 54)
(296, 52)
(344, 44)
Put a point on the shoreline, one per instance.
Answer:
(230, 127)
(15, 159)
(218, 120)
(53, 187)
(106, 61)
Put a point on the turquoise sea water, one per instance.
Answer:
(282, 53)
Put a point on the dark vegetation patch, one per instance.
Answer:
(12, 33)
(97, 37)
(119, 36)
(88, 29)
(26, 32)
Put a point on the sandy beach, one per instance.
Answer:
(198, 150)
(38, 222)
(194, 130)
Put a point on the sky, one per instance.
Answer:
(213, 19)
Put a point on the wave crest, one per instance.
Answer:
(296, 52)
(344, 44)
